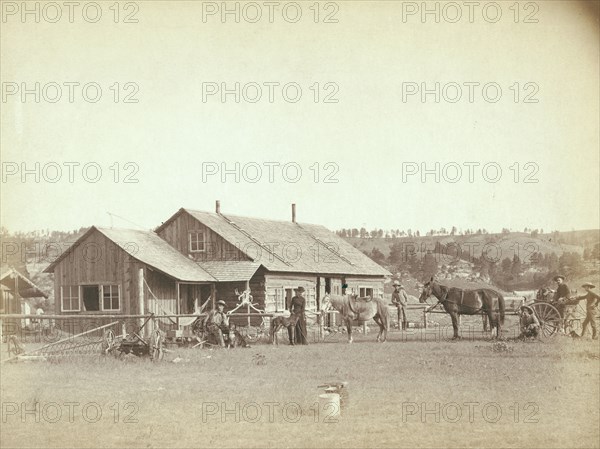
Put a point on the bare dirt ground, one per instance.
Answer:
(412, 391)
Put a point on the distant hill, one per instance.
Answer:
(505, 245)
(513, 260)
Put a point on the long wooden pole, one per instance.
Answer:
(141, 294)
(120, 317)
(247, 289)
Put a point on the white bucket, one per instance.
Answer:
(329, 404)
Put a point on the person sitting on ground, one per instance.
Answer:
(530, 325)
(217, 323)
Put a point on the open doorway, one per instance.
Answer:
(192, 294)
(91, 297)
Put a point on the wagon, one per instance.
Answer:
(554, 316)
(135, 344)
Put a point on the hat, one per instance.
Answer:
(527, 307)
(589, 284)
(559, 276)
(221, 303)
(397, 283)
(300, 289)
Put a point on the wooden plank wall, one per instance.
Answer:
(176, 234)
(96, 260)
(276, 283)
(371, 282)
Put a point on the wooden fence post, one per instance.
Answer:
(141, 296)
(321, 327)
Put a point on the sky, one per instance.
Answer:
(346, 133)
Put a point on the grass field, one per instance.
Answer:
(411, 391)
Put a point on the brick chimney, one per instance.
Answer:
(218, 207)
(293, 212)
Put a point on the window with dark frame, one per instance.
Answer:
(365, 291)
(91, 298)
(280, 300)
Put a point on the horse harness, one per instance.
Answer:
(445, 299)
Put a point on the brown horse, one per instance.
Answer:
(351, 307)
(457, 301)
(278, 322)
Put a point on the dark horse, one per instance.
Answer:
(351, 307)
(457, 301)
(278, 322)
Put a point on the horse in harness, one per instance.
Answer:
(458, 301)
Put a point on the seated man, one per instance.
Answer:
(530, 326)
(217, 323)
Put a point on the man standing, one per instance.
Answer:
(591, 307)
(400, 300)
(298, 307)
(217, 323)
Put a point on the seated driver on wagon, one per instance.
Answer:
(530, 325)
(217, 323)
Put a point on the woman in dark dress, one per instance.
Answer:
(298, 306)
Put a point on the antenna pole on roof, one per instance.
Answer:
(124, 219)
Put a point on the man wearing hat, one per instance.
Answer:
(217, 323)
(592, 303)
(561, 297)
(530, 325)
(562, 289)
(400, 299)
(298, 306)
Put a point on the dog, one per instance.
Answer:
(236, 339)
(282, 321)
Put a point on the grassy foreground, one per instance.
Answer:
(407, 392)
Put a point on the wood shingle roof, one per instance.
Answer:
(289, 246)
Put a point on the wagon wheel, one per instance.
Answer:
(157, 352)
(549, 317)
(109, 341)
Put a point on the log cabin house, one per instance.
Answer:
(197, 255)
